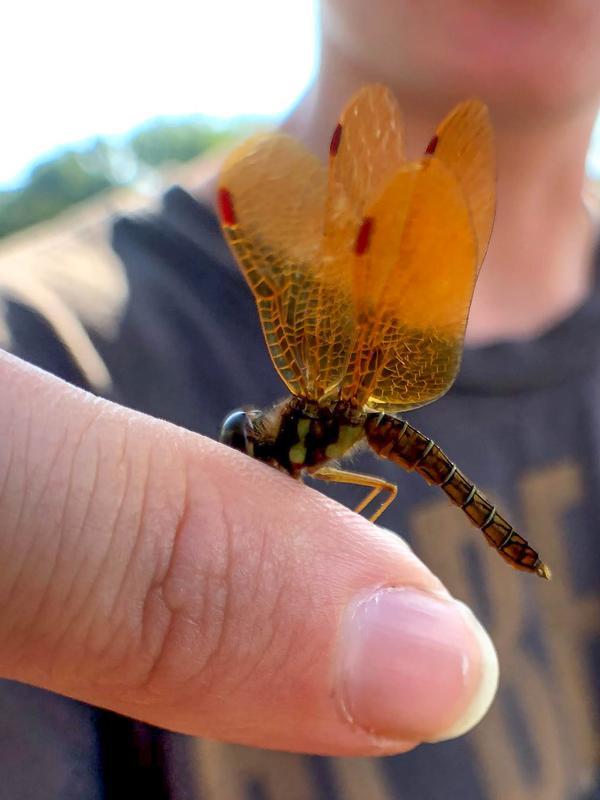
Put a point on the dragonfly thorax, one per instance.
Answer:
(295, 435)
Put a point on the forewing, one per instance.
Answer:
(366, 150)
(414, 283)
(465, 144)
(271, 203)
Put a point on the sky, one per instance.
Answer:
(79, 70)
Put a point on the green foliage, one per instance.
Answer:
(162, 142)
(76, 175)
(53, 186)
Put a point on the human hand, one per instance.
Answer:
(152, 571)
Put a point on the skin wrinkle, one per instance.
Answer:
(9, 459)
(79, 538)
(274, 614)
(172, 474)
(42, 603)
(208, 618)
(59, 528)
(244, 597)
(139, 533)
(151, 631)
(257, 568)
(156, 591)
(103, 569)
(4, 484)
(9, 467)
(27, 422)
(261, 562)
(106, 615)
(57, 537)
(13, 591)
(70, 624)
(153, 628)
(275, 635)
(286, 655)
(115, 675)
(245, 671)
(138, 649)
(224, 582)
(298, 663)
(266, 651)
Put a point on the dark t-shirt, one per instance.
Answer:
(523, 420)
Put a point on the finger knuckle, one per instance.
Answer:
(213, 611)
(190, 603)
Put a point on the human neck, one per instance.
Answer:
(538, 267)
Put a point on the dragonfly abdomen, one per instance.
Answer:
(394, 439)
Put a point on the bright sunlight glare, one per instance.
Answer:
(79, 70)
(74, 71)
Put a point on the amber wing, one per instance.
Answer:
(363, 275)
(464, 142)
(271, 198)
(367, 149)
(414, 281)
(366, 152)
(417, 251)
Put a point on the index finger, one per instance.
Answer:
(152, 571)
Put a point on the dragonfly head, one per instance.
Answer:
(238, 432)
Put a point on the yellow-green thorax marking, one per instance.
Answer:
(308, 435)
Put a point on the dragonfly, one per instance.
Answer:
(363, 273)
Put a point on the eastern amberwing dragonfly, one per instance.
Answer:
(363, 275)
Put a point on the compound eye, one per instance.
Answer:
(236, 432)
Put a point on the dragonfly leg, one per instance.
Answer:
(377, 486)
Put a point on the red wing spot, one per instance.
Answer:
(335, 140)
(225, 206)
(431, 147)
(363, 239)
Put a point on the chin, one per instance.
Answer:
(517, 93)
(536, 80)
(525, 57)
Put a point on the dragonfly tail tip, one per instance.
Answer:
(543, 571)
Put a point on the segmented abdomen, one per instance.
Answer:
(396, 440)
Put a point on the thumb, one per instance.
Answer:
(159, 574)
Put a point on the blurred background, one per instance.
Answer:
(102, 98)
(115, 95)
(99, 98)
